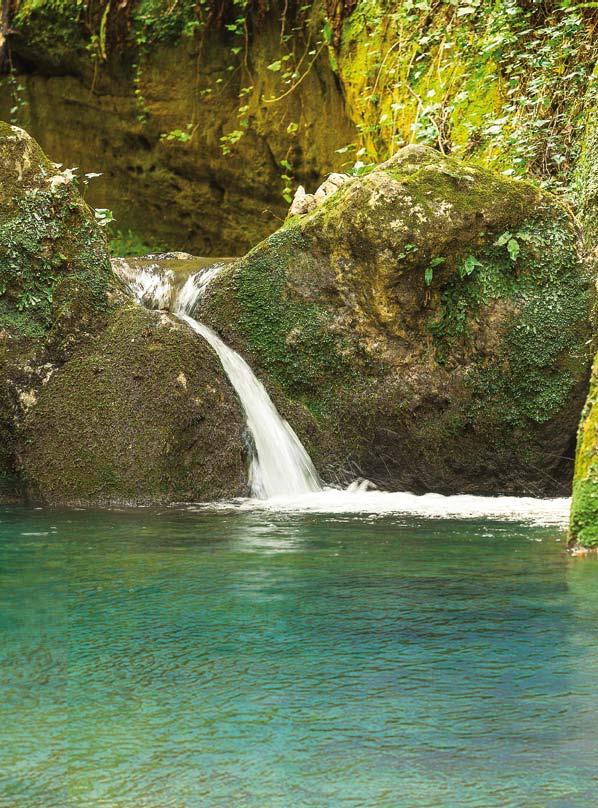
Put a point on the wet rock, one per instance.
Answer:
(101, 401)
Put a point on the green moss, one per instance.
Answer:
(538, 366)
(161, 20)
(55, 28)
(584, 508)
(586, 184)
(424, 73)
(454, 307)
(47, 234)
(141, 413)
(291, 338)
(124, 244)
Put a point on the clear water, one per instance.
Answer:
(264, 659)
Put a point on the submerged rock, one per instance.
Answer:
(424, 327)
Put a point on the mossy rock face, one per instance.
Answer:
(429, 320)
(54, 262)
(56, 284)
(176, 194)
(101, 402)
(584, 509)
(142, 414)
(586, 184)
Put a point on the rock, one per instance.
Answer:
(425, 327)
(113, 89)
(101, 401)
(56, 285)
(141, 415)
(330, 186)
(174, 193)
(304, 203)
(584, 508)
(55, 272)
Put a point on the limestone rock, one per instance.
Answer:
(425, 327)
(304, 203)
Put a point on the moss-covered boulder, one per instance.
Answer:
(141, 415)
(431, 318)
(54, 265)
(100, 400)
(584, 509)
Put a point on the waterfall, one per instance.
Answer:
(151, 286)
(280, 466)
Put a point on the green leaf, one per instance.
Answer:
(276, 66)
(327, 32)
(502, 239)
(428, 275)
(513, 248)
(435, 262)
(468, 266)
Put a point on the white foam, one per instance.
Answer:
(430, 506)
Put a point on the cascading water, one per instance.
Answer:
(280, 466)
(152, 287)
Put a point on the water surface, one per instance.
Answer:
(258, 658)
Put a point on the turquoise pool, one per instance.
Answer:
(197, 659)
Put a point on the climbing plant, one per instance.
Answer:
(505, 83)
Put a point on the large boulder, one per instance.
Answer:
(100, 401)
(142, 415)
(425, 326)
(55, 273)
